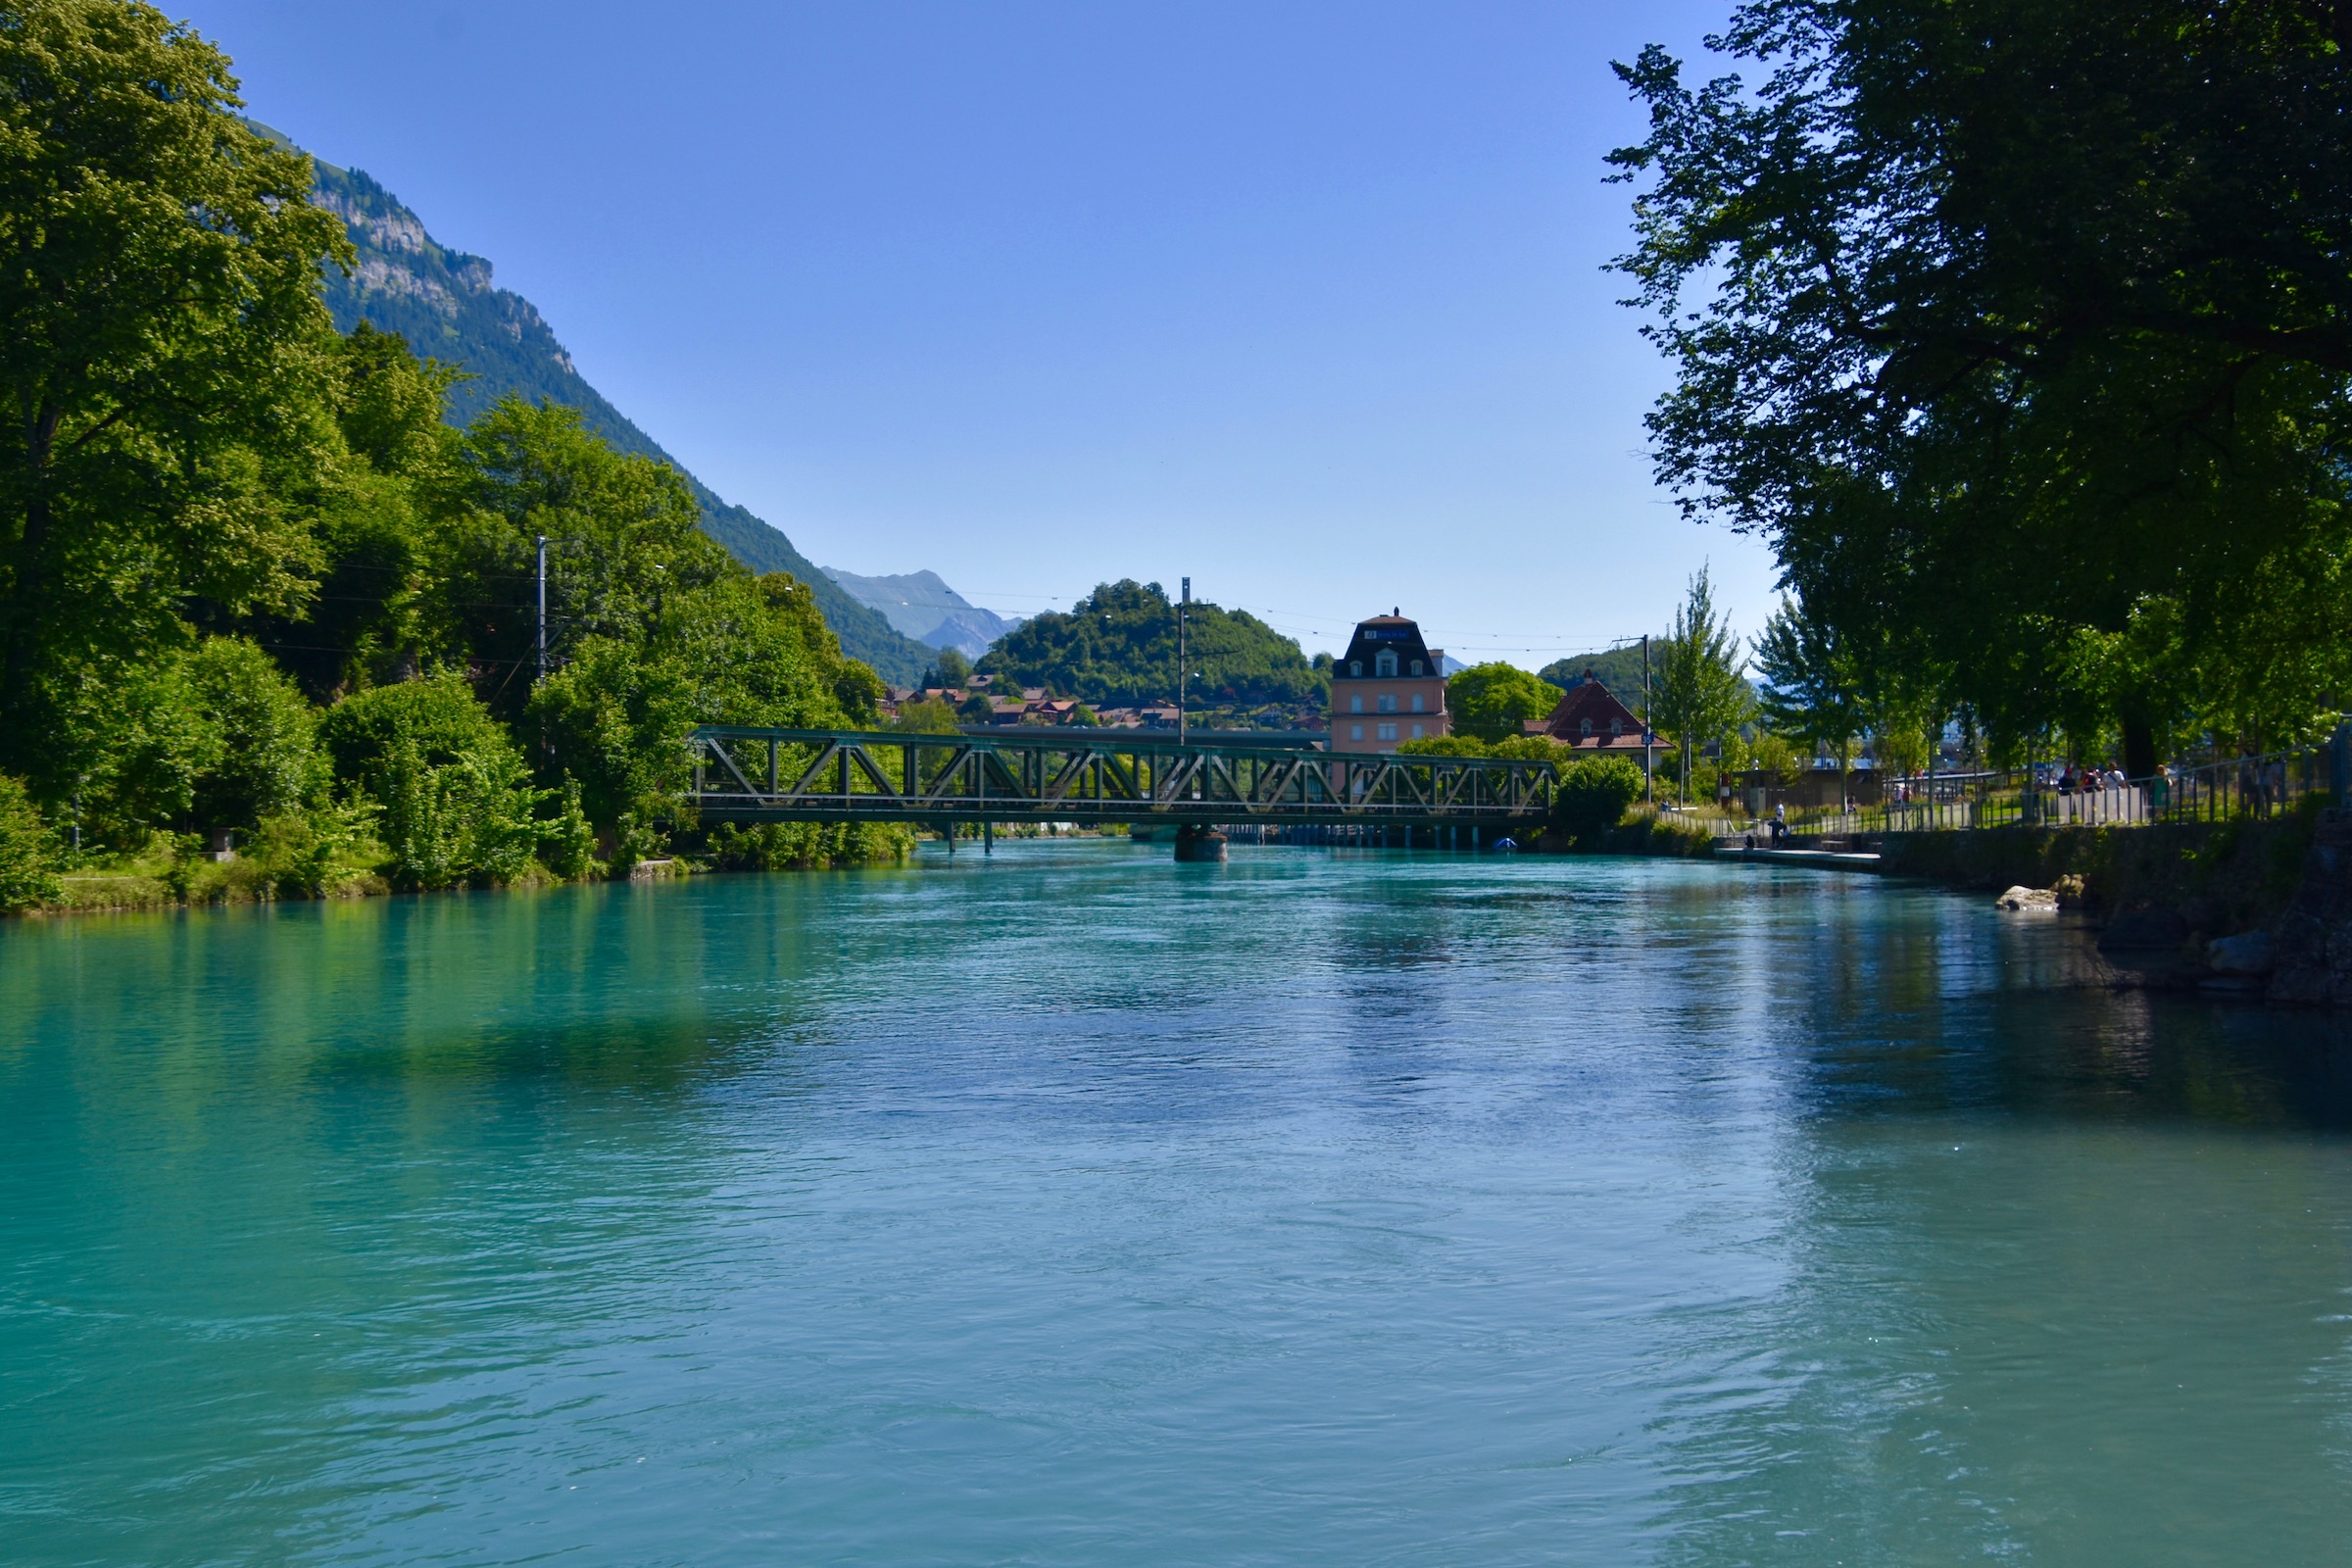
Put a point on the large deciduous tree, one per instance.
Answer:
(1492, 701)
(162, 350)
(2022, 329)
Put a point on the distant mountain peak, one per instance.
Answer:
(921, 605)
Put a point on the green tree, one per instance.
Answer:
(1809, 690)
(381, 506)
(949, 670)
(1490, 701)
(437, 716)
(161, 360)
(1593, 797)
(1699, 696)
(472, 819)
(267, 761)
(925, 716)
(624, 545)
(2006, 341)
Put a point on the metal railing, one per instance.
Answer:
(2231, 789)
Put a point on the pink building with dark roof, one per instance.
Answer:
(1388, 688)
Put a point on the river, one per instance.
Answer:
(1068, 1206)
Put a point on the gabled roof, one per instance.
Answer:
(1589, 699)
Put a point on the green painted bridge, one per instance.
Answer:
(1096, 776)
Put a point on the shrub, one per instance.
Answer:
(28, 851)
(266, 762)
(438, 716)
(469, 820)
(568, 841)
(801, 845)
(1593, 795)
(1445, 746)
(304, 854)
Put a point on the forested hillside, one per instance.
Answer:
(444, 303)
(1117, 648)
(1618, 668)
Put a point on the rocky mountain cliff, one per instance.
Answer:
(445, 303)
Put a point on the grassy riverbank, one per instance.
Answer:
(285, 867)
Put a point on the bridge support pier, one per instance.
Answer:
(1204, 844)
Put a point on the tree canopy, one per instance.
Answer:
(1490, 701)
(2022, 329)
(250, 578)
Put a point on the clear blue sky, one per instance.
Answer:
(1302, 300)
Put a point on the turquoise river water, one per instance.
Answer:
(1074, 1208)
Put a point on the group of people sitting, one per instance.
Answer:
(2090, 777)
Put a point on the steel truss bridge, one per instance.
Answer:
(1093, 776)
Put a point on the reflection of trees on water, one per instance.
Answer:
(2065, 1267)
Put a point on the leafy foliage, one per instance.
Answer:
(445, 303)
(1117, 648)
(1810, 692)
(2023, 332)
(160, 337)
(217, 517)
(470, 820)
(1490, 701)
(28, 851)
(1517, 749)
(1593, 797)
(1699, 696)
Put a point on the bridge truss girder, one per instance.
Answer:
(1091, 777)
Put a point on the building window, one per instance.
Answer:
(1387, 664)
(1388, 732)
(1416, 732)
(1416, 666)
(1385, 705)
(1355, 704)
(1584, 726)
(1355, 732)
(1616, 726)
(1416, 702)
(1355, 667)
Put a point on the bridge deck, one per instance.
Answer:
(1091, 777)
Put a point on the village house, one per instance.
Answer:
(1388, 688)
(1590, 717)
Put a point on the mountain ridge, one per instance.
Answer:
(921, 605)
(445, 303)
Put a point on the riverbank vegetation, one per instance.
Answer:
(256, 592)
(2020, 333)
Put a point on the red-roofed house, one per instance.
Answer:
(1588, 715)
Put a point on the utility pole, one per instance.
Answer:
(1649, 735)
(543, 607)
(1183, 665)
